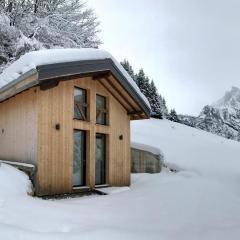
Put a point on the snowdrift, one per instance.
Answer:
(13, 182)
(188, 148)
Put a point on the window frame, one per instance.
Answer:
(84, 159)
(85, 114)
(104, 176)
(105, 111)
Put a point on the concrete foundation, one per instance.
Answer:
(145, 162)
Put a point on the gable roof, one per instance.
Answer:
(53, 63)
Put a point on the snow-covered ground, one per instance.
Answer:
(201, 201)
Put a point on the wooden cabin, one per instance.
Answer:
(68, 113)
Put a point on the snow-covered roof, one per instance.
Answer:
(30, 62)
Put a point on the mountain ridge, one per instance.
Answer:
(221, 118)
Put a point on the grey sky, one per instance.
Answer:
(191, 48)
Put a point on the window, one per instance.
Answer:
(79, 158)
(101, 111)
(80, 104)
(100, 166)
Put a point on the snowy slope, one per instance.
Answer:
(200, 202)
(189, 148)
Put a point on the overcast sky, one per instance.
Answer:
(191, 48)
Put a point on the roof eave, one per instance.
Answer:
(52, 71)
(45, 73)
(18, 84)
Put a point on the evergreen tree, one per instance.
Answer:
(238, 136)
(173, 116)
(143, 82)
(148, 88)
(126, 65)
(153, 99)
(163, 106)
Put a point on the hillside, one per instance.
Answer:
(189, 148)
(201, 201)
(221, 118)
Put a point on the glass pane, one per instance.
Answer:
(80, 98)
(101, 107)
(100, 159)
(79, 160)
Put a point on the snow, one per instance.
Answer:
(13, 183)
(189, 148)
(31, 60)
(230, 101)
(145, 147)
(18, 164)
(114, 190)
(200, 202)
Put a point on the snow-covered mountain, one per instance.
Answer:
(221, 118)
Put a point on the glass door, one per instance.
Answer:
(79, 158)
(100, 167)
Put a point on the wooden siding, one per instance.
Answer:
(18, 128)
(55, 147)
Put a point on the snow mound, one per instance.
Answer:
(31, 60)
(13, 182)
(189, 148)
(114, 190)
(147, 148)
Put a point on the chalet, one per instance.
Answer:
(68, 113)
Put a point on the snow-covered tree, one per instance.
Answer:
(27, 25)
(154, 100)
(238, 136)
(143, 82)
(173, 116)
(13, 43)
(128, 68)
(148, 88)
(163, 106)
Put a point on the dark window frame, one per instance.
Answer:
(84, 176)
(104, 173)
(83, 108)
(104, 111)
